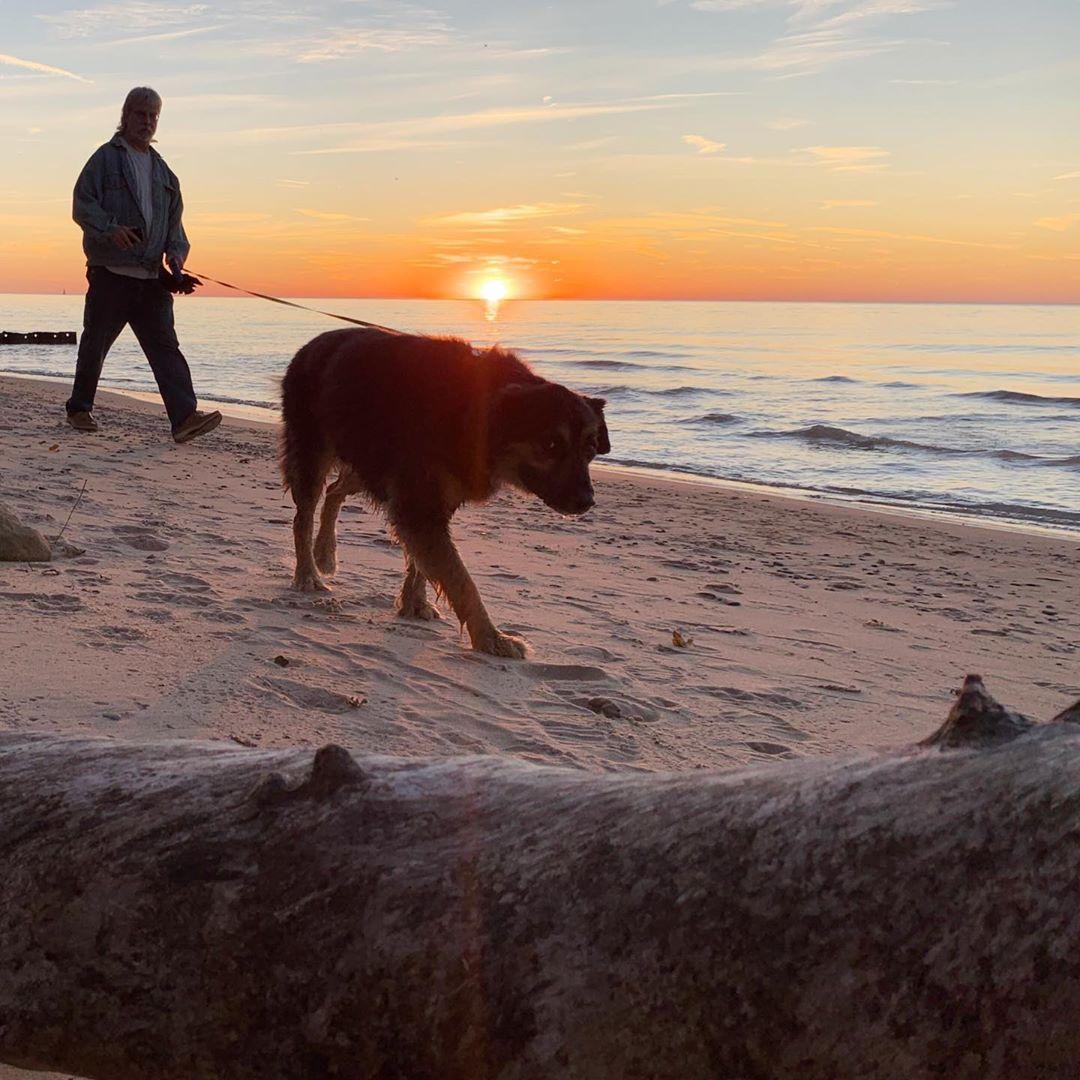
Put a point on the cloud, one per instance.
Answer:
(879, 234)
(327, 215)
(1068, 176)
(131, 15)
(704, 145)
(819, 33)
(848, 158)
(1058, 224)
(43, 69)
(166, 35)
(377, 39)
(786, 124)
(399, 134)
(836, 204)
(505, 215)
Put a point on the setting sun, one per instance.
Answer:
(493, 291)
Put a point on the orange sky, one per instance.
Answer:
(696, 149)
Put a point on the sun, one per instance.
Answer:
(493, 290)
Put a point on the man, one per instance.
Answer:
(127, 202)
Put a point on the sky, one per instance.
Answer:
(864, 150)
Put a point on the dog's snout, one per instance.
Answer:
(583, 501)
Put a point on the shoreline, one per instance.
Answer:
(265, 416)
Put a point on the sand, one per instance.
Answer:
(813, 628)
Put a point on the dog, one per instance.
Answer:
(422, 425)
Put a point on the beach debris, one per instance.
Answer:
(75, 506)
(977, 719)
(19, 542)
(681, 640)
(604, 707)
(281, 661)
(354, 701)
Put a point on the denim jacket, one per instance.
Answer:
(106, 196)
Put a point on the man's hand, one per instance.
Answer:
(124, 237)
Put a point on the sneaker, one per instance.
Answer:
(198, 423)
(82, 421)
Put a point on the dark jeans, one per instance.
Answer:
(113, 302)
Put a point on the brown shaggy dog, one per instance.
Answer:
(421, 425)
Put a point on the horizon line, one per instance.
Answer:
(621, 299)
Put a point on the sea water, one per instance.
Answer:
(969, 410)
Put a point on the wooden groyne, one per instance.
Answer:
(38, 337)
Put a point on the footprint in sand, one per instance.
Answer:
(564, 672)
(47, 603)
(140, 537)
(619, 708)
(772, 749)
(313, 697)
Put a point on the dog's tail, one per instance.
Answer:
(301, 450)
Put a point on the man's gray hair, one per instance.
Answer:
(136, 96)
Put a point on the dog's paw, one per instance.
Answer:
(497, 643)
(417, 608)
(309, 583)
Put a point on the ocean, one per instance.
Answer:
(971, 411)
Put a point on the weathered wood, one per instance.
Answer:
(190, 910)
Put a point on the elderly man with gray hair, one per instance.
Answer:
(127, 202)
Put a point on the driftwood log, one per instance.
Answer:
(190, 910)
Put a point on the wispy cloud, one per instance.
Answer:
(839, 204)
(505, 215)
(848, 158)
(331, 216)
(704, 145)
(369, 39)
(41, 69)
(401, 133)
(880, 234)
(786, 123)
(1068, 176)
(166, 35)
(1058, 224)
(819, 33)
(129, 15)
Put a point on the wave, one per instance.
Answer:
(935, 503)
(901, 385)
(242, 401)
(823, 433)
(852, 440)
(835, 378)
(980, 347)
(712, 418)
(683, 391)
(1014, 397)
(41, 373)
(612, 365)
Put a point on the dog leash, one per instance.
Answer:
(289, 303)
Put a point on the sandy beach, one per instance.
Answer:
(813, 628)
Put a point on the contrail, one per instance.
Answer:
(45, 69)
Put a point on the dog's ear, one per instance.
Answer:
(603, 443)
